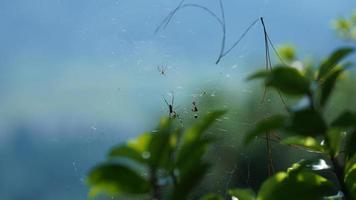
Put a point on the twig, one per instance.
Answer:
(221, 20)
(237, 41)
(168, 18)
(223, 40)
(268, 42)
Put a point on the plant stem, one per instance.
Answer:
(339, 172)
(269, 155)
(338, 168)
(311, 99)
(156, 193)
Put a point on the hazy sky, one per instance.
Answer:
(89, 68)
(95, 59)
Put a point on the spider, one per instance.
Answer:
(195, 109)
(172, 113)
(162, 69)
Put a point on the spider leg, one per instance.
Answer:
(172, 99)
(165, 100)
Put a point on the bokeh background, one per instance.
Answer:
(77, 77)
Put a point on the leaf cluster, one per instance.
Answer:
(169, 163)
(307, 127)
(165, 164)
(346, 27)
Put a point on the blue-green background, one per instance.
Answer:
(77, 77)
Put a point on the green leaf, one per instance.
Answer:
(189, 180)
(160, 147)
(190, 166)
(342, 24)
(288, 80)
(306, 122)
(303, 185)
(242, 194)
(212, 197)
(308, 166)
(287, 52)
(195, 132)
(350, 162)
(335, 138)
(333, 60)
(124, 151)
(193, 155)
(346, 120)
(258, 75)
(193, 144)
(309, 143)
(328, 85)
(150, 148)
(266, 125)
(116, 179)
(350, 180)
(350, 146)
(136, 149)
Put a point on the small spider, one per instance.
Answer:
(162, 69)
(195, 109)
(172, 114)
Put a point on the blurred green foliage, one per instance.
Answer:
(287, 52)
(170, 162)
(166, 163)
(346, 27)
(307, 128)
